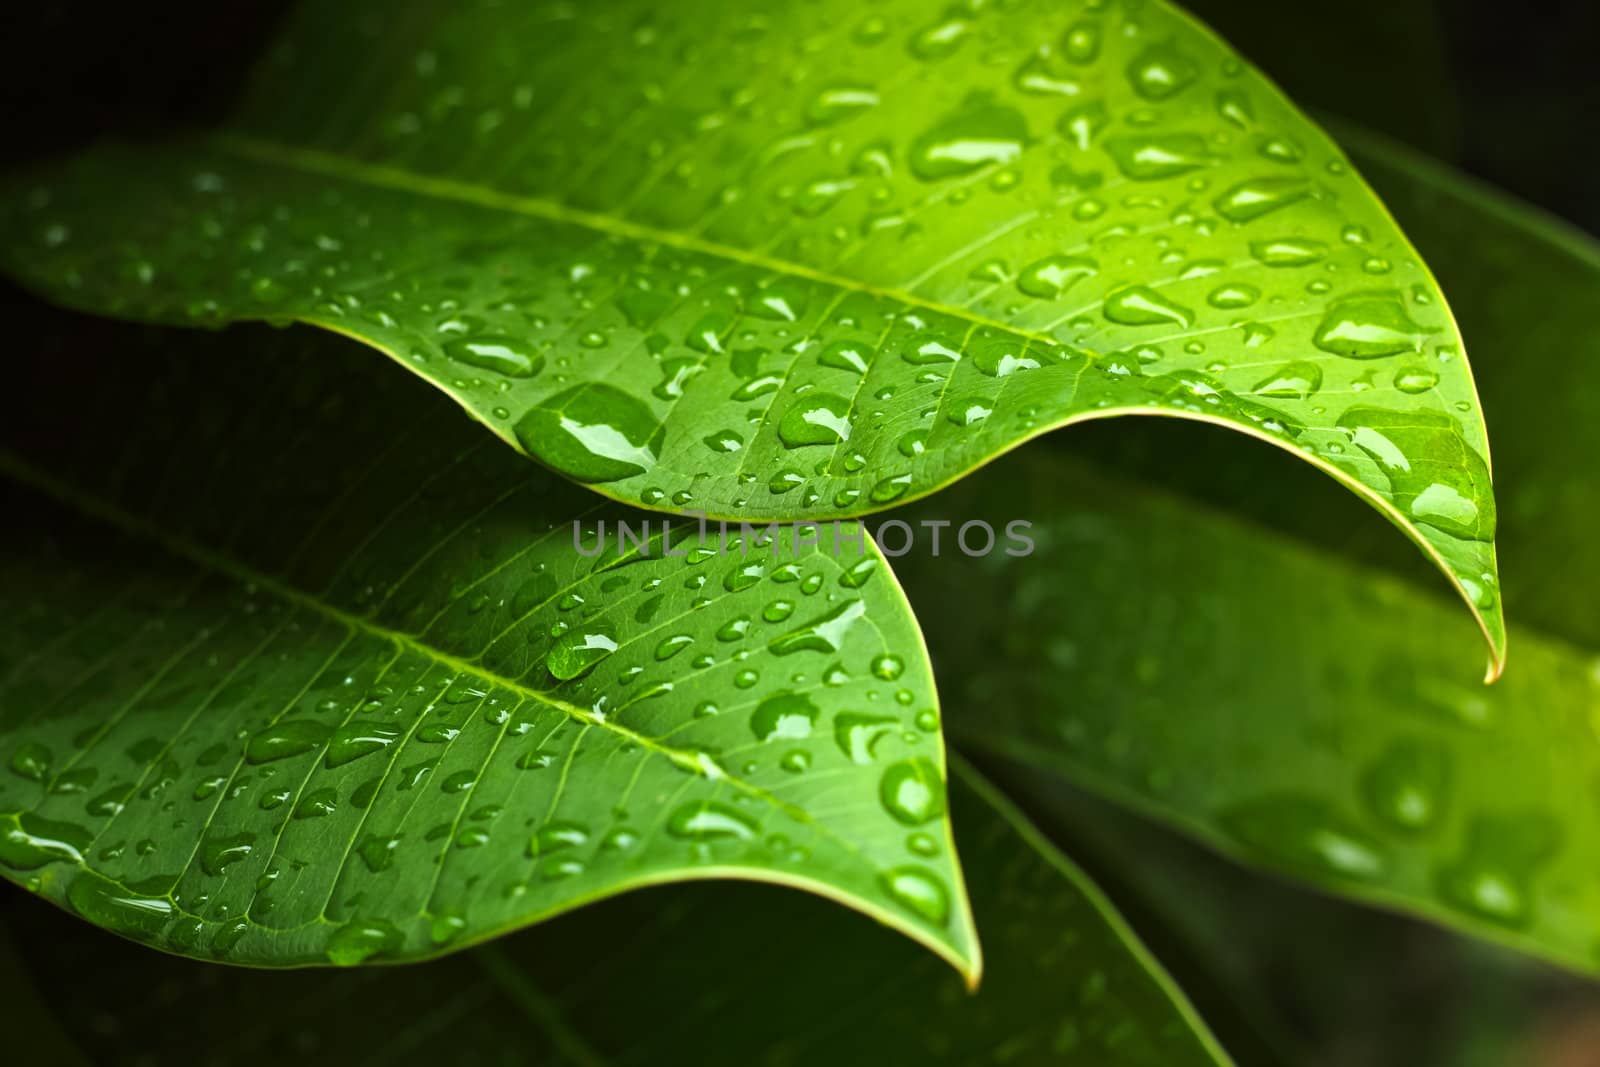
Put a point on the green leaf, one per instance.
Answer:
(1304, 713)
(1295, 711)
(646, 974)
(803, 261)
(336, 678)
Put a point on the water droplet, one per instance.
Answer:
(1369, 326)
(1434, 475)
(558, 835)
(784, 715)
(353, 740)
(1491, 879)
(1303, 833)
(1288, 252)
(502, 355)
(976, 136)
(1081, 42)
(825, 633)
(1152, 158)
(919, 891)
(913, 443)
(846, 355)
(857, 733)
(358, 941)
(285, 739)
(724, 441)
(1405, 786)
(711, 820)
(124, 910)
(1292, 381)
(593, 433)
(1080, 124)
(815, 419)
(28, 841)
(891, 488)
(31, 761)
(1160, 71)
(1252, 199)
(1139, 305)
(579, 649)
(218, 852)
(1051, 276)
(1233, 295)
(940, 39)
(840, 102)
(673, 645)
(912, 791)
(1415, 379)
(888, 666)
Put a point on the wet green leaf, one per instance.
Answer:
(1066, 983)
(802, 261)
(1299, 711)
(337, 678)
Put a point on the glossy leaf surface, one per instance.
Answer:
(328, 679)
(619, 983)
(803, 260)
(1304, 713)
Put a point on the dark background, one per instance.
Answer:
(1507, 91)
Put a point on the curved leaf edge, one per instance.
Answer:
(1036, 839)
(963, 930)
(1490, 621)
(1207, 835)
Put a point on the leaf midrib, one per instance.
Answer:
(332, 164)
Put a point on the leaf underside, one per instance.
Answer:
(1065, 982)
(327, 679)
(806, 260)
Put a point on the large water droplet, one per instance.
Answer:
(124, 910)
(919, 891)
(356, 942)
(503, 355)
(711, 820)
(1369, 326)
(1292, 381)
(1153, 157)
(1434, 475)
(1252, 199)
(912, 791)
(976, 136)
(857, 733)
(289, 738)
(579, 649)
(1051, 276)
(816, 419)
(1288, 251)
(28, 841)
(1160, 71)
(353, 740)
(1139, 305)
(823, 634)
(784, 715)
(592, 432)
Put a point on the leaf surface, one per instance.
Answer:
(329, 679)
(1066, 983)
(804, 260)
(1297, 710)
